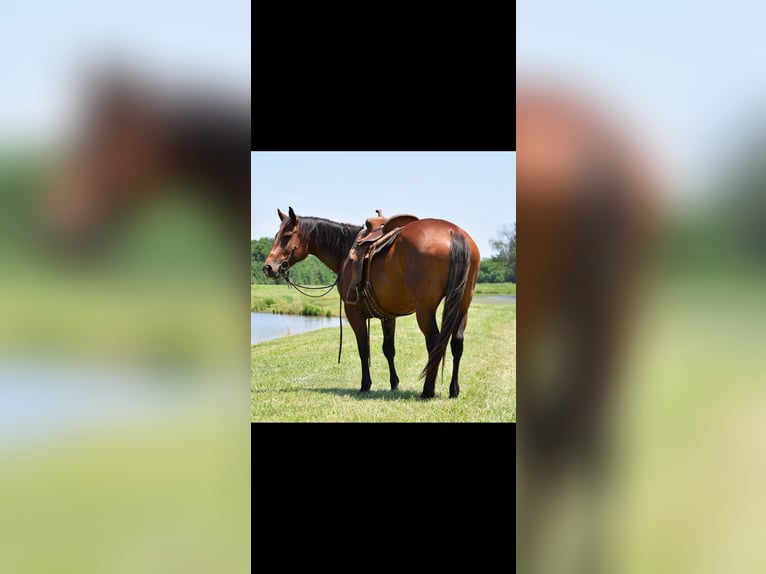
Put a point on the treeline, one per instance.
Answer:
(310, 271)
(495, 270)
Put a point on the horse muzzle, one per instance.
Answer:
(270, 271)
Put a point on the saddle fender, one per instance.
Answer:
(377, 235)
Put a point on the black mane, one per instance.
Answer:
(337, 237)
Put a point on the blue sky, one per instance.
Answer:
(689, 75)
(475, 190)
(45, 45)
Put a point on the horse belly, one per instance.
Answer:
(423, 258)
(388, 284)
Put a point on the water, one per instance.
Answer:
(267, 326)
(44, 400)
(495, 299)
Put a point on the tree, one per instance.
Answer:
(494, 271)
(505, 245)
(501, 267)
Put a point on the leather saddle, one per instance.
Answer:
(377, 235)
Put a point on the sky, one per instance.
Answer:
(44, 47)
(689, 75)
(475, 190)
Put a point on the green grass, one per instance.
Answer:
(170, 495)
(286, 301)
(495, 289)
(689, 429)
(297, 378)
(283, 300)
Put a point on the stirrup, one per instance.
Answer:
(347, 299)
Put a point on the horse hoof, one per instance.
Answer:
(426, 396)
(454, 395)
(394, 387)
(364, 390)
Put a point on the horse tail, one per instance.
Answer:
(457, 281)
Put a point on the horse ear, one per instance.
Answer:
(292, 215)
(280, 214)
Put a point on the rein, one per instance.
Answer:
(299, 288)
(284, 270)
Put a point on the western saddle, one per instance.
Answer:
(377, 235)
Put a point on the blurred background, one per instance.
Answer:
(641, 146)
(124, 186)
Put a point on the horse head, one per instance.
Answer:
(288, 247)
(138, 142)
(118, 152)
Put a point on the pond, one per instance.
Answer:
(46, 400)
(267, 326)
(495, 299)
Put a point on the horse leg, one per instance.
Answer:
(427, 323)
(359, 324)
(389, 329)
(456, 344)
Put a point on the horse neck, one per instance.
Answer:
(326, 256)
(332, 249)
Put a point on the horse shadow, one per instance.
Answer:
(373, 394)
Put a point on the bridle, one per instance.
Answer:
(284, 265)
(284, 271)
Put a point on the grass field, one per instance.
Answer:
(149, 493)
(282, 299)
(285, 300)
(297, 378)
(495, 289)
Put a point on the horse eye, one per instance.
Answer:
(285, 240)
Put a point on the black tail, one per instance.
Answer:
(460, 264)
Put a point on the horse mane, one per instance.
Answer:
(337, 237)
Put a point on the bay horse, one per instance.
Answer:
(587, 200)
(430, 260)
(137, 141)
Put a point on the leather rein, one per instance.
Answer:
(284, 271)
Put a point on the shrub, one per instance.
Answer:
(310, 310)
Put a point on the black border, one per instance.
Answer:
(405, 82)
